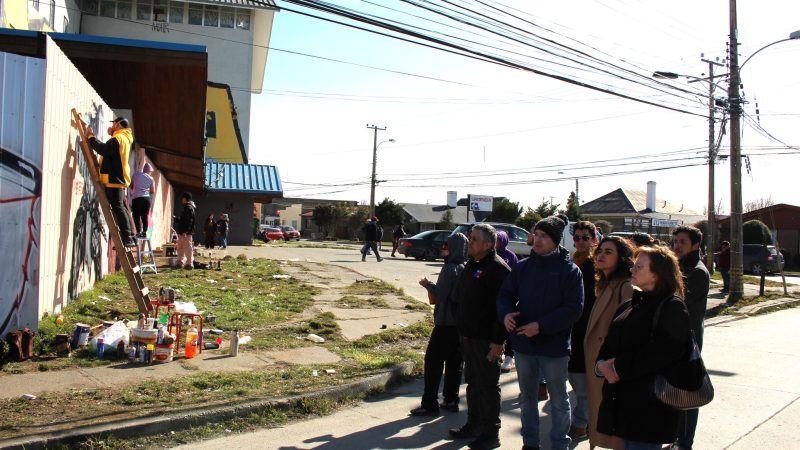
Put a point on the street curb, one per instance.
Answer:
(758, 309)
(179, 420)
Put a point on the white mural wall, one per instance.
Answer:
(21, 119)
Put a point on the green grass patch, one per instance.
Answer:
(243, 295)
(374, 287)
(351, 301)
(324, 325)
(748, 279)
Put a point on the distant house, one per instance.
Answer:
(636, 210)
(782, 219)
(424, 217)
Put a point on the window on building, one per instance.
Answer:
(124, 9)
(144, 9)
(176, 12)
(90, 7)
(53, 14)
(243, 19)
(227, 17)
(195, 14)
(160, 9)
(108, 8)
(66, 25)
(210, 16)
(35, 4)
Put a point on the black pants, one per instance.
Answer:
(116, 198)
(140, 207)
(209, 241)
(508, 349)
(443, 354)
(483, 386)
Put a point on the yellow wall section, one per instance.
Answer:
(16, 15)
(225, 147)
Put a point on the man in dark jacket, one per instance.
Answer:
(482, 337)
(539, 302)
(185, 231)
(370, 239)
(585, 238)
(686, 242)
(724, 265)
(444, 349)
(222, 228)
(115, 173)
(398, 233)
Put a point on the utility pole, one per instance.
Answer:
(735, 110)
(577, 199)
(374, 128)
(712, 159)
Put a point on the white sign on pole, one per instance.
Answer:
(481, 203)
(664, 223)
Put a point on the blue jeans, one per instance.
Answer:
(636, 445)
(580, 414)
(529, 368)
(223, 241)
(726, 278)
(370, 245)
(688, 428)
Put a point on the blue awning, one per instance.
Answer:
(243, 179)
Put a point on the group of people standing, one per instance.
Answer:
(606, 319)
(216, 231)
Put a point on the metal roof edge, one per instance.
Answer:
(141, 43)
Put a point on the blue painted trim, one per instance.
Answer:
(128, 42)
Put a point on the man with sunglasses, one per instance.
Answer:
(585, 238)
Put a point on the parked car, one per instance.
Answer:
(290, 233)
(271, 234)
(518, 237)
(755, 259)
(426, 245)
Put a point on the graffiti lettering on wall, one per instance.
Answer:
(88, 227)
(19, 242)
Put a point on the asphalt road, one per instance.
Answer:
(753, 362)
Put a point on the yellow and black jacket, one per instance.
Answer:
(115, 171)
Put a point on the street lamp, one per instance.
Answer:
(735, 109)
(577, 201)
(710, 244)
(374, 163)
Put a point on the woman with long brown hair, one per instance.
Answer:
(613, 260)
(638, 348)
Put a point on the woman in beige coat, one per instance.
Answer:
(613, 262)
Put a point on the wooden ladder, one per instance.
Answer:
(133, 272)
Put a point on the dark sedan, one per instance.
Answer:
(426, 245)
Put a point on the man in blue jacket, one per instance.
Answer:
(539, 301)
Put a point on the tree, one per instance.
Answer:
(324, 216)
(604, 226)
(357, 218)
(573, 209)
(703, 226)
(762, 202)
(756, 232)
(389, 212)
(505, 211)
(531, 216)
(446, 223)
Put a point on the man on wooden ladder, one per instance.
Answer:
(115, 172)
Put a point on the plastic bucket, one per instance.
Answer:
(162, 353)
(80, 337)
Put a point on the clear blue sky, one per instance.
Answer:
(310, 120)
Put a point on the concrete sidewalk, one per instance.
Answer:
(753, 365)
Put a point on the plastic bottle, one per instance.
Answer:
(190, 351)
(132, 354)
(100, 348)
(149, 353)
(234, 343)
(59, 319)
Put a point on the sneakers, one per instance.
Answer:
(449, 406)
(485, 442)
(508, 364)
(424, 412)
(577, 433)
(543, 392)
(467, 431)
(380, 259)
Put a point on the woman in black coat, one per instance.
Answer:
(635, 352)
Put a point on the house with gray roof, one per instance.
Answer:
(424, 217)
(636, 210)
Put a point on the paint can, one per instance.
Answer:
(163, 353)
(80, 337)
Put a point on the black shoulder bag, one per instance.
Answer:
(686, 385)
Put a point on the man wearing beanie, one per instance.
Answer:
(538, 303)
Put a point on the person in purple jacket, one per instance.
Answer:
(511, 259)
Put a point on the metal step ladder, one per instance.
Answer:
(133, 271)
(145, 251)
